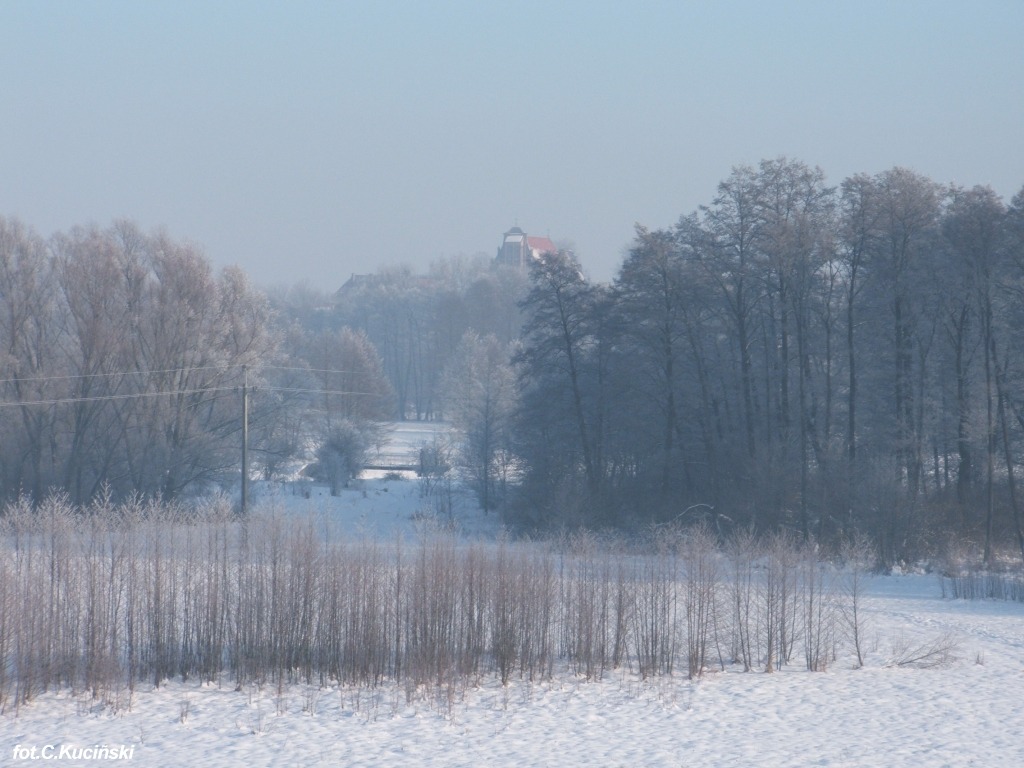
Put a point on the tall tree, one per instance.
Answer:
(480, 391)
(974, 227)
(560, 372)
(908, 209)
(349, 374)
(859, 230)
(650, 299)
(726, 246)
(30, 322)
(793, 210)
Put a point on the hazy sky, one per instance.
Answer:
(305, 141)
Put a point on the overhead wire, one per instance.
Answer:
(111, 374)
(172, 392)
(124, 396)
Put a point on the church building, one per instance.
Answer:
(518, 249)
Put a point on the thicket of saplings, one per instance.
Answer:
(114, 598)
(970, 579)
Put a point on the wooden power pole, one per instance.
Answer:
(245, 439)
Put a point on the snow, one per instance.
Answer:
(376, 507)
(968, 712)
(402, 441)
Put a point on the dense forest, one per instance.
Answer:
(790, 355)
(827, 360)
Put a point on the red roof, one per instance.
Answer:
(541, 244)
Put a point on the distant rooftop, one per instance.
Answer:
(541, 245)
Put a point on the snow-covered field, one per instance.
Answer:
(969, 711)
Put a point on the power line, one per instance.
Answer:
(100, 398)
(302, 390)
(171, 392)
(190, 368)
(310, 370)
(71, 377)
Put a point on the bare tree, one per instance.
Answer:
(650, 300)
(30, 320)
(561, 371)
(480, 392)
(857, 556)
(974, 227)
(135, 349)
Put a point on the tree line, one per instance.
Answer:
(791, 355)
(123, 361)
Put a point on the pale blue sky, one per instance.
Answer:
(305, 141)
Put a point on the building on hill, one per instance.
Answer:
(355, 283)
(404, 280)
(518, 249)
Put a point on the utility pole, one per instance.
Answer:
(245, 439)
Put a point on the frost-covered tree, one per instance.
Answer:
(481, 396)
(127, 366)
(349, 397)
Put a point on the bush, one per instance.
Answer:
(342, 455)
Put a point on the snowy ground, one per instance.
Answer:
(402, 441)
(967, 713)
